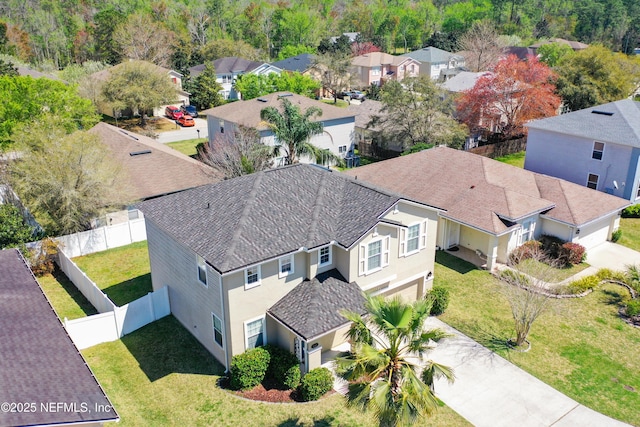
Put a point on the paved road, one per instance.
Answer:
(490, 391)
(181, 134)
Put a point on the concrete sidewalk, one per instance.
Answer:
(612, 255)
(490, 391)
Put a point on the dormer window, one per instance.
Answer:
(324, 256)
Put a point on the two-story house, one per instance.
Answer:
(436, 63)
(273, 257)
(338, 123)
(598, 147)
(229, 68)
(375, 68)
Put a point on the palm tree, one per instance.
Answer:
(390, 342)
(293, 130)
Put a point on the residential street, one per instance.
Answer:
(181, 134)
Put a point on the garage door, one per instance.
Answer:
(594, 234)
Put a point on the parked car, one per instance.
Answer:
(172, 112)
(186, 121)
(190, 110)
(353, 94)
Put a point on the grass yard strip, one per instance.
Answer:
(123, 273)
(187, 147)
(161, 375)
(515, 159)
(66, 299)
(556, 274)
(581, 347)
(630, 233)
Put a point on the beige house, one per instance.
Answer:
(273, 257)
(377, 67)
(488, 208)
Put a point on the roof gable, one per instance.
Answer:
(432, 55)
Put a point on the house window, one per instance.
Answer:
(598, 149)
(375, 71)
(254, 333)
(592, 181)
(252, 277)
(413, 68)
(202, 270)
(638, 193)
(221, 126)
(217, 330)
(526, 233)
(324, 255)
(413, 238)
(374, 255)
(342, 149)
(286, 266)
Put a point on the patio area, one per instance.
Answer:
(473, 257)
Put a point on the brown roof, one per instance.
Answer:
(375, 59)
(575, 45)
(247, 113)
(40, 367)
(365, 111)
(152, 168)
(484, 193)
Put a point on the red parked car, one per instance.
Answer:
(186, 120)
(174, 113)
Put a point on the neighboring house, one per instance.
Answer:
(302, 63)
(337, 136)
(575, 45)
(598, 147)
(352, 37)
(436, 63)
(523, 53)
(229, 68)
(149, 168)
(463, 81)
(375, 68)
(45, 380)
(27, 71)
(182, 97)
(369, 136)
(273, 257)
(489, 207)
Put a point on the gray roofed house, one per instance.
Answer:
(463, 81)
(273, 256)
(299, 63)
(41, 370)
(492, 207)
(597, 147)
(434, 61)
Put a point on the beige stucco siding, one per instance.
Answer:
(555, 228)
(473, 239)
(191, 302)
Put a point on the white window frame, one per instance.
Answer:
(589, 181)
(594, 151)
(221, 331)
(528, 229)
(221, 123)
(264, 331)
(328, 262)
(375, 71)
(404, 238)
(385, 244)
(283, 261)
(416, 238)
(202, 267)
(258, 272)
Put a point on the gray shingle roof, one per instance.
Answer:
(38, 361)
(246, 220)
(313, 307)
(297, 63)
(432, 55)
(621, 127)
(228, 65)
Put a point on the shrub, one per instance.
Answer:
(583, 284)
(41, 258)
(284, 366)
(249, 368)
(572, 253)
(633, 308)
(514, 277)
(632, 211)
(615, 236)
(315, 384)
(527, 250)
(440, 299)
(551, 245)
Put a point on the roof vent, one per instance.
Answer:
(263, 100)
(284, 95)
(604, 113)
(139, 153)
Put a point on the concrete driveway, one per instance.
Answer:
(182, 134)
(613, 256)
(490, 391)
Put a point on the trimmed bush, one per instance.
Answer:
(315, 384)
(440, 299)
(616, 235)
(632, 211)
(284, 366)
(572, 253)
(525, 251)
(514, 277)
(551, 245)
(249, 368)
(633, 308)
(583, 284)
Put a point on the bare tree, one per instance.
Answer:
(527, 288)
(333, 70)
(482, 46)
(198, 24)
(237, 153)
(143, 39)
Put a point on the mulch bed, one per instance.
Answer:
(268, 391)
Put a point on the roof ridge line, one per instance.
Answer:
(628, 119)
(243, 220)
(317, 205)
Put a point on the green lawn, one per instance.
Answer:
(340, 102)
(122, 273)
(581, 347)
(161, 376)
(188, 146)
(554, 275)
(515, 159)
(66, 299)
(630, 233)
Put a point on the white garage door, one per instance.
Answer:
(594, 234)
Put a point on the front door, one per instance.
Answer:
(453, 234)
(300, 350)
